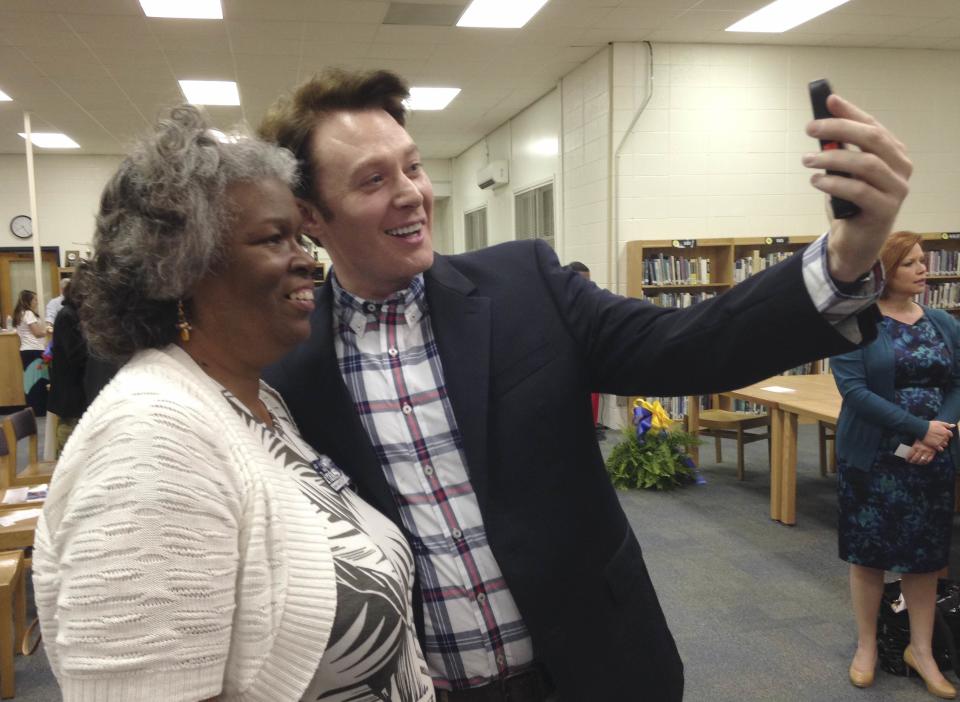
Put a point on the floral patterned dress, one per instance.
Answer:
(898, 516)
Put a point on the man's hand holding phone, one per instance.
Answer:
(877, 184)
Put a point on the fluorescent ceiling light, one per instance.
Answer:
(210, 92)
(505, 14)
(4, 97)
(781, 15)
(430, 98)
(51, 140)
(185, 9)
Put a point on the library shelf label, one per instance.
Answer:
(950, 235)
(684, 243)
(778, 240)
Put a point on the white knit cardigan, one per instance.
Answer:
(175, 559)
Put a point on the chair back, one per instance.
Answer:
(24, 423)
(16, 427)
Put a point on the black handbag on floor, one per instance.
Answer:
(893, 628)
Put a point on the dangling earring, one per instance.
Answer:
(182, 324)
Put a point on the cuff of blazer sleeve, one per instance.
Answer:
(841, 305)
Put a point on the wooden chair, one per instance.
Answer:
(828, 458)
(16, 427)
(726, 424)
(5, 469)
(13, 616)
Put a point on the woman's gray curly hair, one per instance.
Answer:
(162, 226)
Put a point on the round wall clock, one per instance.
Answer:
(21, 226)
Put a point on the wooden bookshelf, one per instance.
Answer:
(723, 255)
(946, 244)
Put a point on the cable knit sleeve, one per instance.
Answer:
(137, 552)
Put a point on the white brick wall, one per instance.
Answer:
(585, 97)
(717, 151)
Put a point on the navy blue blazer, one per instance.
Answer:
(865, 378)
(523, 342)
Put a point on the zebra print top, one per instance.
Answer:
(373, 653)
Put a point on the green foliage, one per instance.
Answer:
(660, 462)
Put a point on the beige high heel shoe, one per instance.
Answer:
(942, 690)
(860, 678)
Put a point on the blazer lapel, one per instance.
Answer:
(461, 326)
(333, 420)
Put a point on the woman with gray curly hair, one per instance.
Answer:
(192, 545)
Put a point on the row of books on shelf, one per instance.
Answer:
(743, 268)
(943, 295)
(943, 262)
(683, 299)
(675, 270)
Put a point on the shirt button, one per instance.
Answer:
(428, 470)
(407, 409)
(481, 598)
(371, 307)
(392, 352)
(457, 533)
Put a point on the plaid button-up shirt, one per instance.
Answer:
(389, 361)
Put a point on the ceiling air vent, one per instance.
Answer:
(422, 14)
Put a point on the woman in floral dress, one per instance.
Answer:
(896, 458)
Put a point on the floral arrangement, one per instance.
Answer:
(652, 453)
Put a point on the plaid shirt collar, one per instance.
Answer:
(355, 313)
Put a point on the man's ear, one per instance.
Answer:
(313, 222)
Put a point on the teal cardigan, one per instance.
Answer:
(865, 380)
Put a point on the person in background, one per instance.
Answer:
(66, 397)
(455, 391)
(192, 546)
(581, 268)
(53, 307)
(896, 460)
(32, 333)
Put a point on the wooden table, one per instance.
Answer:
(19, 535)
(813, 396)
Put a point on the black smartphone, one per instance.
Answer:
(819, 92)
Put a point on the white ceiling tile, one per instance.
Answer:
(316, 33)
(94, 7)
(193, 65)
(256, 65)
(293, 10)
(626, 17)
(599, 37)
(742, 7)
(320, 52)
(862, 24)
(389, 52)
(697, 21)
(106, 24)
(189, 35)
(916, 8)
(398, 34)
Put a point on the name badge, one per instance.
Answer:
(335, 478)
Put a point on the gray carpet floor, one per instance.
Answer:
(760, 611)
